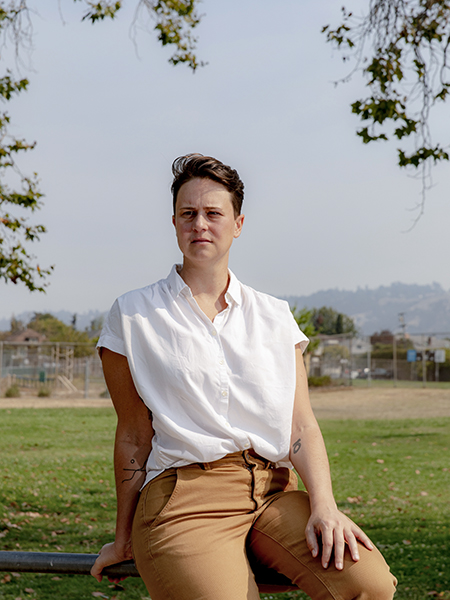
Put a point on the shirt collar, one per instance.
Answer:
(234, 289)
(177, 283)
(179, 286)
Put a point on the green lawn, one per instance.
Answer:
(57, 494)
(400, 383)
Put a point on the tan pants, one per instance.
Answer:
(205, 531)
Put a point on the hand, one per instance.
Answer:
(110, 554)
(336, 530)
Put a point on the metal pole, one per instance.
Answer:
(60, 562)
(394, 348)
(86, 377)
(1, 361)
(424, 368)
(369, 365)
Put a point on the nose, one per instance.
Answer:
(199, 223)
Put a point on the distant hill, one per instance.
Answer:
(426, 307)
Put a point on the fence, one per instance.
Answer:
(57, 367)
(64, 368)
(421, 358)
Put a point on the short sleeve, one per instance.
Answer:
(111, 336)
(298, 335)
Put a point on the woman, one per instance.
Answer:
(209, 385)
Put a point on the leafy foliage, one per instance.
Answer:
(402, 48)
(174, 21)
(12, 392)
(303, 318)
(16, 263)
(57, 331)
(328, 321)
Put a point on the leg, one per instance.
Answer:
(277, 540)
(189, 537)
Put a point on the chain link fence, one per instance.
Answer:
(420, 359)
(75, 370)
(51, 368)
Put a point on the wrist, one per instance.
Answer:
(322, 503)
(122, 543)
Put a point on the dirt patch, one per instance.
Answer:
(352, 403)
(56, 402)
(381, 403)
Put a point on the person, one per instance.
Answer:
(209, 385)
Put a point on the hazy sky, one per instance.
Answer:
(322, 210)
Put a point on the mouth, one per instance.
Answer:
(201, 241)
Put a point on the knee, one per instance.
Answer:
(380, 587)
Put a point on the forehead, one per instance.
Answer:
(202, 191)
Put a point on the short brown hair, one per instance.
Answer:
(185, 168)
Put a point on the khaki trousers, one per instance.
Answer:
(220, 530)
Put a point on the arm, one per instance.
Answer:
(309, 457)
(132, 446)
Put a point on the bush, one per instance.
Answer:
(13, 391)
(319, 381)
(44, 392)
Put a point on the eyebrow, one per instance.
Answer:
(188, 207)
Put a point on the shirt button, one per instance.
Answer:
(221, 361)
(214, 333)
(224, 393)
(247, 445)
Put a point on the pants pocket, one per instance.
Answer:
(156, 497)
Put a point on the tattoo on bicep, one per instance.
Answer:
(133, 471)
(297, 445)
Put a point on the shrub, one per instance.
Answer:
(44, 392)
(13, 391)
(322, 381)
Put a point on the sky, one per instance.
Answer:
(109, 116)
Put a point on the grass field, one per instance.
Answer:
(391, 477)
(389, 383)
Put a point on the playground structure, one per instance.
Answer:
(55, 366)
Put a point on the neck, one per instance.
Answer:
(211, 281)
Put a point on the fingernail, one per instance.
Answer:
(339, 566)
(325, 565)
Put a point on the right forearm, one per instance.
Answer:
(129, 466)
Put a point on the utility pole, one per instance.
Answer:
(401, 318)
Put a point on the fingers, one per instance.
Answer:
(96, 570)
(364, 539)
(311, 540)
(334, 536)
(327, 546)
(339, 549)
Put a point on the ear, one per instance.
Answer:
(173, 220)
(238, 224)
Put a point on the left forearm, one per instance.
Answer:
(309, 457)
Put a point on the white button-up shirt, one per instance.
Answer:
(213, 387)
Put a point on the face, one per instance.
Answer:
(204, 221)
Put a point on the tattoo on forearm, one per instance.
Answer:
(297, 445)
(133, 471)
